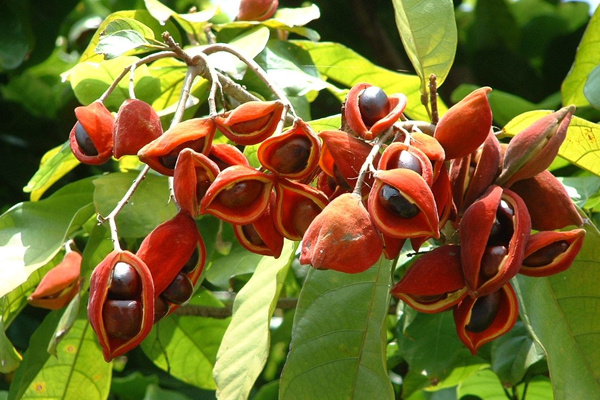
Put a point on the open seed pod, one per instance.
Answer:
(137, 124)
(434, 282)
(483, 319)
(369, 111)
(261, 236)
(428, 145)
(161, 154)
(342, 237)
(251, 122)
(239, 195)
(494, 231)
(194, 173)
(400, 155)
(226, 155)
(297, 206)
(402, 205)
(549, 252)
(91, 138)
(121, 304)
(293, 154)
(58, 287)
(257, 10)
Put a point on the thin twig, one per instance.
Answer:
(368, 164)
(433, 99)
(131, 82)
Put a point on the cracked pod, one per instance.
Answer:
(293, 154)
(58, 287)
(549, 252)
(434, 282)
(402, 205)
(297, 205)
(121, 305)
(342, 237)
(91, 138)
(137, 124)
(194, 173)
(369, 111)
(161, 154)
(464, 127)
(251, 122)
(533, 149)
(494, 231)
(239, 195)
(486, 318)
(261, 236)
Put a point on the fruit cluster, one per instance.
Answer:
(349, 195)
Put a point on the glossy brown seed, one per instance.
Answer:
(546, 255)
(192, 263)
(122, 318)
(409, 161)
(373, 104)
(84, 141)
(292, 156)
(503, 226)
(424, 299)
(125, 283)
(241, 194)
(491, 260)
(202, 183)
(484, 312)
(179, 291)
(161, 308)
(169, 160)
(395, 202)
(304, 214)
(252, 235)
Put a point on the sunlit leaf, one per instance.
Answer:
(559, 311)
(586, 59)
(9, 356)
(581, 188)
(55, 164)
(580, 146)
(483, 385)
(328, 123)
(66, 322)
(192, 23)
(79, 371)
(121, 42)
(338, 339)
(591, 90)
(246, 341)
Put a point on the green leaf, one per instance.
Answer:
(586, 59)
(484, 385)
(347, 67)
(17, 38)
(246, 341)
(238, 261)
(9, 356)
(32, 233)
(132, 386)
(580, 146)
(55, 164)
(591, 90)
(559, 311)
(64, 324)
(155, 392)
(581, 188)
(538, 388)
(428, 32)
(338, 339)
(120, 42)
(79, 371)
(328, 123)
(186, 346)
(148, 207)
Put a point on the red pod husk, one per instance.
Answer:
(100, 283)
(549, 252)
(137, 124)
(391, 158)
(194, 173)
(261, 236)
(251, 122)
(226, 155)
(58, 287)
(91, 138)
(257, 10)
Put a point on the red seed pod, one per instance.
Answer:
(434, 282)
(257, 10)
(342, 237)
(226, 155)
(161, 154)
(251, 122)
(428, 145)
(137, 124)
(549, 252)
(194, 173)
(297, 206)
(400, 155)
(293, 154)
(391, 246)
(120, 324)
(464, 127)
(494, 231)
(483, 319)
(369, 118)
(402, 205)
(239, 195)
(91, 138)
(58, 287)
(261, 236)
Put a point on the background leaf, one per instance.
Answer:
(338, 340)
(591, 90)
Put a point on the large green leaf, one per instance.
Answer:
(338, 340)
(580, 146)
(347, 67)
(247, 341)
(561, 311)
(186, 346)
(78, 372)
(32, 233)
(586, 59)
(591, 89)
(428, 32)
